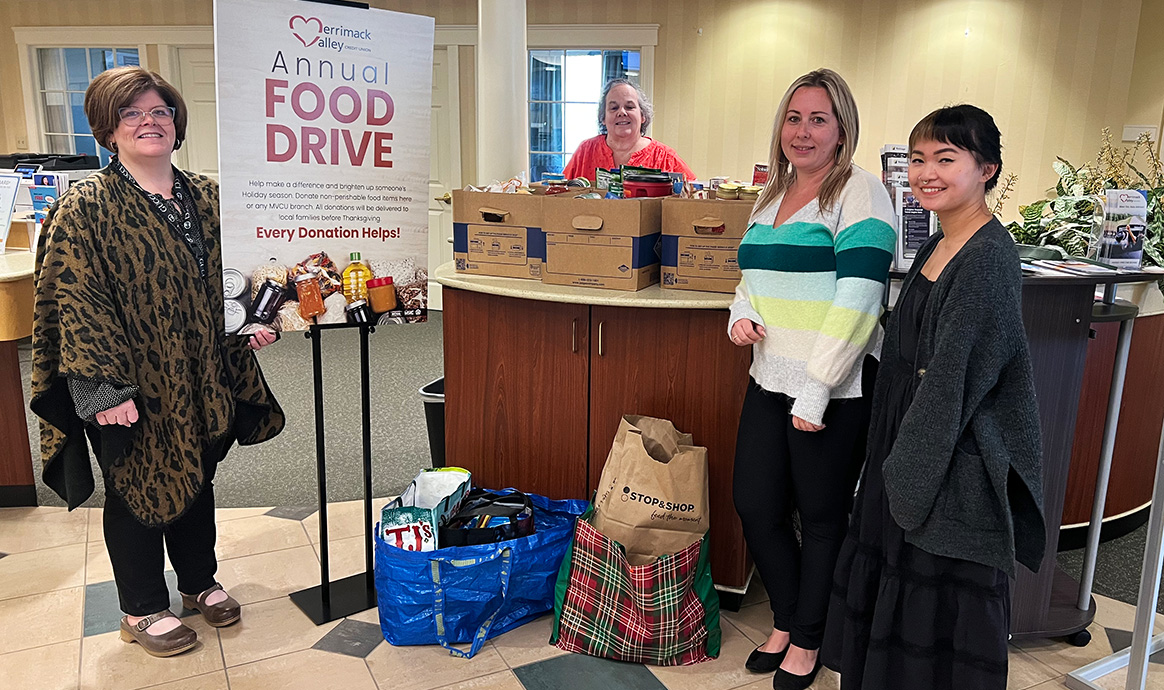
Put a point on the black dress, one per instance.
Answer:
(899, 617)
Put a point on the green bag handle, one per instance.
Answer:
(438, 594)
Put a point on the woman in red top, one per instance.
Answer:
(623, 117)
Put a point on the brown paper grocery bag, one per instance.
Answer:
(652, 497)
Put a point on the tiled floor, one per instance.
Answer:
(59, 617)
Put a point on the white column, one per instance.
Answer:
(502, 90)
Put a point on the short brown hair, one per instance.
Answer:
(115, 89)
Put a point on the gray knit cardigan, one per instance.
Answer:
(964, 477)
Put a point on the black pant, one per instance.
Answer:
(779, 468)
(137, 554)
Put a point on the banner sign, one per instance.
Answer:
(323, 143)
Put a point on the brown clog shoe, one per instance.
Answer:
(219, 615)
(170, 643)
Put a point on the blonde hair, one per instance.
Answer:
(781, 174)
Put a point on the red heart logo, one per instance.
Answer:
(305, 21)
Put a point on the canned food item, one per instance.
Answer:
(750, 192)
(233, 283)
(388, 320)
(358, 312)
(268, 300)
(235, 314)
(728, 190)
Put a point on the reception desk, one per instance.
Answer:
(17, 485)
(537, 378)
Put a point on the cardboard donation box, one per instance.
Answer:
(603, 243)
(700, 241)
(498, 234)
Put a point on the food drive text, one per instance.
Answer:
(332, 146)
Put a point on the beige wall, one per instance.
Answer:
(1146, 100)
(1052, 72)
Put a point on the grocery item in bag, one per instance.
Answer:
(652, 497)
(411, 521)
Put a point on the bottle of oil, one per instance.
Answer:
(356, 277)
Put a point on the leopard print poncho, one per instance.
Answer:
(119, 299)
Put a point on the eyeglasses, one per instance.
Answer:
(133, 116)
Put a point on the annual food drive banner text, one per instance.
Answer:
(323, 141)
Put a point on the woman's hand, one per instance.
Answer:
(805, 425)
(747, 332)
(124, 414)
(261, 339)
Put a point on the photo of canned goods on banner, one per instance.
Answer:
(323, 140)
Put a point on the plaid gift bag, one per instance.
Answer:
(664, 613)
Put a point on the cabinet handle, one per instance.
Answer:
(600, 325)
(574, 335)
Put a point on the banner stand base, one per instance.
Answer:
(347, 596)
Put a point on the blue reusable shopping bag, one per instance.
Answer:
(472, 593)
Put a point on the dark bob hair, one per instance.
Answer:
(967, 127)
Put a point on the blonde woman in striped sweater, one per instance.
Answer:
(815, 263)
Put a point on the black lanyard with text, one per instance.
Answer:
(186, 223)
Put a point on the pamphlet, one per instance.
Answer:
(914, 227)
(43, 197)
(9, 186)
(1120, 240)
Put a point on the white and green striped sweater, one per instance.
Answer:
(816, 284)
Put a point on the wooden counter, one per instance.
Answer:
(1138, 433)
(17, 485)
(537, 378)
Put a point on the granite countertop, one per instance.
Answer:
(1143, 294)
(16, 264)
(653, 296)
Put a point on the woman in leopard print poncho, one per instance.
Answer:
(129, 354)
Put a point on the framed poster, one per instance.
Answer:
(323, 141)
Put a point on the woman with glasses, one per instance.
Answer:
(624, 114)
(129, 354)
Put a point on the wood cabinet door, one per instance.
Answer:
(515, 392)
(676, 364)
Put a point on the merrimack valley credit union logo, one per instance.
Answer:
(311, 31)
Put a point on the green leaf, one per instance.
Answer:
(1139, 174)
(1033, 211)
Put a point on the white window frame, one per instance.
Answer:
(640, 37)
(29, 38)
(167, 39)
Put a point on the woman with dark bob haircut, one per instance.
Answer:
(952, 490)
(129, 355)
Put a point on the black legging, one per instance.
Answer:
(779, 468)
(136, 552)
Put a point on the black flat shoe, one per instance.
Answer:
(783, 680)
(764, 662)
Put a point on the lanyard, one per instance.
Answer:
(185, 221)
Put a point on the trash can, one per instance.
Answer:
(433, 396)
